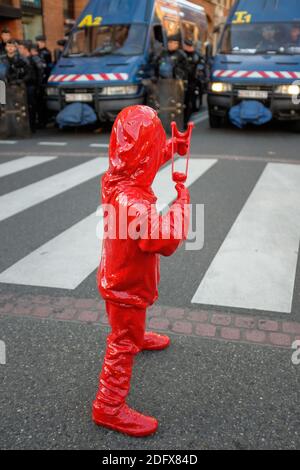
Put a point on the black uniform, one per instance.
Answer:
(32, 87)
(18, 70)
(46, 57)
(2, 48)
(175, 63)
(194, 59)
(18, 74)
(40, 72)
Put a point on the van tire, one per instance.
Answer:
(296, 126)
(215, 122)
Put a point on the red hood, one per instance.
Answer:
(136, 150)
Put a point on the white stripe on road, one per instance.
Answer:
(255, 267)
(99, 145)
(21, 164)
(201, 117)
(8, 142)
(64, 262)
(53, 144)
(29, 196)
(164, 187)
(68, 259)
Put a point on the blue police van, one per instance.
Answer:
(258, 58)
(107, 59)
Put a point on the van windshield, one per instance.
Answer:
(261, 38)
(127, 40)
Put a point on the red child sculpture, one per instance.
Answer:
(128, 275)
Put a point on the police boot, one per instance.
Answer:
(155, 342)
(110, 409)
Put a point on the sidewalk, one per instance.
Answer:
(207, 394)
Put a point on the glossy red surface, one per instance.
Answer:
(155, 342)
(128, 275)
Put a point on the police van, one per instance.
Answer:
(108, 57)
(258, 58)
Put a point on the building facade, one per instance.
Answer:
(217, 12)
(28, 18)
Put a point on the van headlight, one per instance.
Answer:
(220, 87)
(120, 90)
(52, 91)
(291, 90)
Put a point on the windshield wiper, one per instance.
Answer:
(98, 54)
(75, 55)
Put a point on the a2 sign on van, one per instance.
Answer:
(89, 21)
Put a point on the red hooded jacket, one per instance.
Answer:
(129, 269)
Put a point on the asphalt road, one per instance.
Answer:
(207, 394)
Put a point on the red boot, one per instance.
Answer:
(155, 342)
(109, 408)
(126, 421)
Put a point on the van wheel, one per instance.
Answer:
(296, 126)
(215, 122)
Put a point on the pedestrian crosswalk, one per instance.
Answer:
(21, 164)
(72, 256)
(254, 268)
(24, 198)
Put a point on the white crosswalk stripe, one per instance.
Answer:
(14, 166)
(255, 267)
(29, 196)
(68, 259)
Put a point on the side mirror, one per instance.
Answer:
(208, 51)
(158, 34)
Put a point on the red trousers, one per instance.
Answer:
(125, 341)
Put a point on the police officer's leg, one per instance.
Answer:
(42, 112)
(31, 96)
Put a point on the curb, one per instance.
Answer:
(180, 321)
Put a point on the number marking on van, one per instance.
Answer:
(89, 21)
(242, 17)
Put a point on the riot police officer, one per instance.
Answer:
(17, 74)
(41, 71)
(194, 86)
(44, 53)
(32, 82)
(17, 68)
(167, 93)
(173, 62)
(5, 37)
